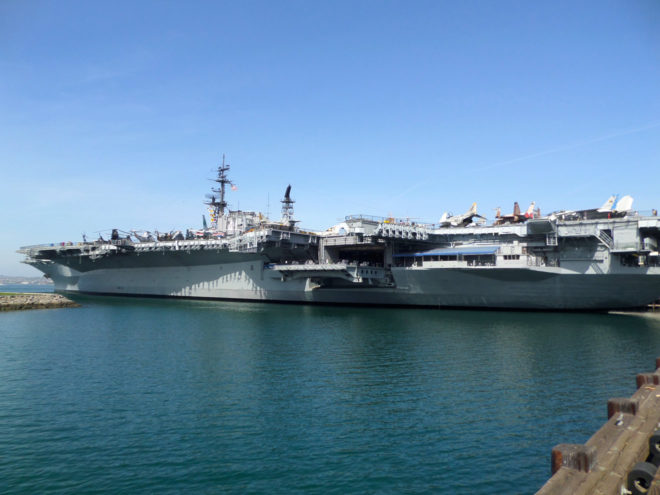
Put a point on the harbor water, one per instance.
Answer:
(131, 395)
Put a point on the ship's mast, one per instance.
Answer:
(287, 207)
(219, 204)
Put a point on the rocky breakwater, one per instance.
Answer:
(16, 301)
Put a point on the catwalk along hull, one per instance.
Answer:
(249, 277)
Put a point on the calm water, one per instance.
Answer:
(152, 396)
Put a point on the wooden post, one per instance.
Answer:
(574, 456)
(622, 405)
(647, 379)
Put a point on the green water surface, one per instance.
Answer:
(164, 396)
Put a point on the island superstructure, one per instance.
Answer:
(597, 259)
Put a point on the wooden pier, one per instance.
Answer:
(609, 463)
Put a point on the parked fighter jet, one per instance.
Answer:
(516, 216)
(144, 236)
(449, 220)
(608, 210)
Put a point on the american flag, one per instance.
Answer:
(234, 188)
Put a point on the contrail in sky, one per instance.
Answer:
(605, 137)
(598, 139)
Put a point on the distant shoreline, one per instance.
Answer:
(7, 280)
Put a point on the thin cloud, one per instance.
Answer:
(573, 146)
(558, 149)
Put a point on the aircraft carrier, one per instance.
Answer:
(599, 259)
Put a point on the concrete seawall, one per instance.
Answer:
(18, 301)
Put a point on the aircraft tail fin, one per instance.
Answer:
(516, 209)
(624, 204)
(607, 206)
(530, 211)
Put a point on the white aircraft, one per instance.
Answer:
(608, 210)
(143, 236)
(449, 220)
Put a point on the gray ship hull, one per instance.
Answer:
(248, 277)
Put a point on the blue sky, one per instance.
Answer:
(114, 114)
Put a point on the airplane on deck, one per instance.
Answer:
(144, 236)
(516, 216)
(449, 220)
(608, 210)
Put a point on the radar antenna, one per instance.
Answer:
(219, 204)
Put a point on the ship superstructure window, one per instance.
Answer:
(480, 260)
(511, 256)
(472, 255)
